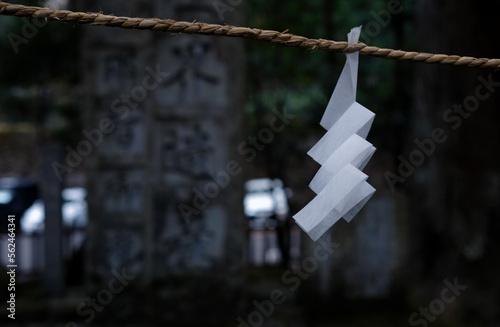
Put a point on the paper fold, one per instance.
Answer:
(341, 187)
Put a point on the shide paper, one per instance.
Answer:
(343, 152)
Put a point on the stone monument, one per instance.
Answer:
(164, 116)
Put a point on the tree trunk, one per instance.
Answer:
(456, 190)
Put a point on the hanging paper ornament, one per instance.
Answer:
(340, 185)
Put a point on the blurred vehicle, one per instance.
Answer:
(266, 205)
(16, 196)
(74, 212)
(265, 202)
(20, 197)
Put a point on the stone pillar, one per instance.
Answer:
(51, 194)
(165, 196)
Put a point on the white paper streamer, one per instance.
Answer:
(356, 120)
(340, 186)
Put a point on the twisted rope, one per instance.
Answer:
(284, 39)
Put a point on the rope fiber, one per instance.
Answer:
(284, 39)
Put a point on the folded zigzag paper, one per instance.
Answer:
(343, 152)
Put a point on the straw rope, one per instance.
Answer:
(275, 37)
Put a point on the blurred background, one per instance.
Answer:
(154, 175)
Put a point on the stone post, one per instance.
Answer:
(164, 115)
